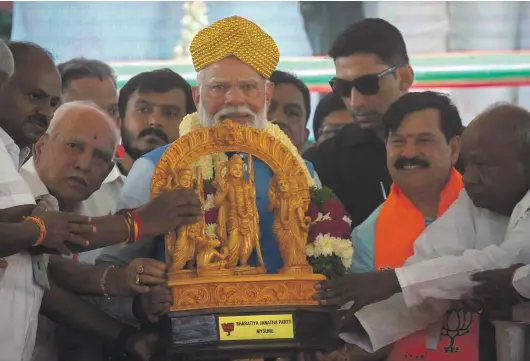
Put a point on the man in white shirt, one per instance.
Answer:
(69, 163)
(27, 101)
(486, 228)
(7, 67)
(93, 80)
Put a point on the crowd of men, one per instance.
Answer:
(439, 218)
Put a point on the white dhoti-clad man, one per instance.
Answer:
(486, 228)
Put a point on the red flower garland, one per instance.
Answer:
(328, 217)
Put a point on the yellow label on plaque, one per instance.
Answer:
(256, 327)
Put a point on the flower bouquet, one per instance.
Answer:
(329, 248)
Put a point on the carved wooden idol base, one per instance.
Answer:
(243, 312)
(242, 290)
(245, 332)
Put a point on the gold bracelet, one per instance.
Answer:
(42, 229)
(103, 281)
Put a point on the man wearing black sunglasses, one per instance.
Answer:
(372, 71)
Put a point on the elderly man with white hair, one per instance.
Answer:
(27, 230)
(22, 273)
(70, 163)
(234, 59)
(80, 136)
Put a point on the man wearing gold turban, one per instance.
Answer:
(234, 59)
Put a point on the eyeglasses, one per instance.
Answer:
(366, 84)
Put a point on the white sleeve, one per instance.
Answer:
(448, 277)
(451, 234)
(14, 191)
(388, 321)
(521, 281)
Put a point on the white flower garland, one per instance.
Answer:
(208, 163)
(325, 245)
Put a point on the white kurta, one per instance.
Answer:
(101, 203)
(463, 241)
(45, 349)
(20, 296)
(521, 281)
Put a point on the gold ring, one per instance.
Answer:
(140, 269)
(137, 279)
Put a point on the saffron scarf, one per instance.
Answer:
(399, 223)
(398, 226)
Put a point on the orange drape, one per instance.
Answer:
(399, 223)
(398, 226)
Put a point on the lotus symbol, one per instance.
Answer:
(228, 328)
(456, 324)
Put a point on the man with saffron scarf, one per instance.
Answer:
(234, 59)
(486, 228)
(423, 143)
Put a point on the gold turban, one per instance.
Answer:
(238, 37)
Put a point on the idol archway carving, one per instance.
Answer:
(194, 254)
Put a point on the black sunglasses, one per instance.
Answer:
(366, 84)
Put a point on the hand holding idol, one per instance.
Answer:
(169, 211)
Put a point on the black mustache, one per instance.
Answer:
(402, 162)
(157, 132)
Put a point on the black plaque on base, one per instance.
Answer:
(246, 332)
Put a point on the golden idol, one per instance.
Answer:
(211, 269)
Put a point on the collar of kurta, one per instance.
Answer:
(19, 155)
(114, 175)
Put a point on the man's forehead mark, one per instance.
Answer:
(81, 142)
